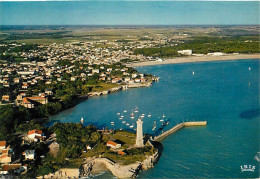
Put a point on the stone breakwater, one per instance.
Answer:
(177, 127)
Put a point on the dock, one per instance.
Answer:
(178, 127)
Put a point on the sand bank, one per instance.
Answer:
(190, 59)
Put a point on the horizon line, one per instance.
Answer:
(129, 24)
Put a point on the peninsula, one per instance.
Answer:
(48, 69)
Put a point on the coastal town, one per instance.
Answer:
(43, 79)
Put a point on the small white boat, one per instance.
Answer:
(193, 73)
(131, 126)
(121, 129)
(143, 114)
(112, 123)
(125, 110)
(149, 115)
(82, 120)
(123, 122)
(154, 127)
(161, 120)
(136, 109)
(132, 117)
(118, 113)
(122, 116)
(163, 116)
(249, 68)
(127, 124)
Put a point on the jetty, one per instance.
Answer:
(178, 127)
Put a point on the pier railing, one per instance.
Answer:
(177, 127)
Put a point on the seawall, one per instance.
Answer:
(177, 127)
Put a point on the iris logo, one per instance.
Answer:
(247, 168)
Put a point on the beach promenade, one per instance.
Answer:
(191, 59)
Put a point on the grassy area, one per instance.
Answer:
(40, 41)
(132, 155)
(104, 87)
(126, 137)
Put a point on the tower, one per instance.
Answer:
(139, 133)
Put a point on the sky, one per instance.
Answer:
(122, 12)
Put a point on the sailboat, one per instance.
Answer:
(149, 115)
(82, 120)
(136, 109)
(163, 116)
(132, 115)
(154, 125)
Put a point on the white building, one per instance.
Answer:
(29, 154)
(216, 54)
(185, 52)
(113, 144)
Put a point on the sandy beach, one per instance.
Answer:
(190, 59)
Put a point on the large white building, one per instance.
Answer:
(185, 52)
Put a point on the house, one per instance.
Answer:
(73, 78)
(109, 69)
(134, 75)
(16, 80)
(35, 135)
(95, 71)
(115, 80)
(6, 98)
(2, 145)
(28, 104)
(113, 144)
(127, 79)
(25, 86)
(6, 155)
(41, 100)
(17, 168)
(120, 152)
(185, 52)
(49, 92)
(29, 154)
(137, 80)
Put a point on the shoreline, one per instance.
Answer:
(195, 59)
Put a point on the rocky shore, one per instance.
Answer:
(123, 87)
(92, 167)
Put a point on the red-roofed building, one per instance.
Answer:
(17, 168)
(113, 144)
(2, 145)
(35, 135)
(120, 152)
(28, 102)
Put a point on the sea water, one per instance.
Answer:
(226, 94)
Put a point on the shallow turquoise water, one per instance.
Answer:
(226, 94)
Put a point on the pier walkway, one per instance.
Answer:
(177, 127)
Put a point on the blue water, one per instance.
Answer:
(129, 13)
(226, 94)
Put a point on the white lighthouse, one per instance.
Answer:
(139, 133)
